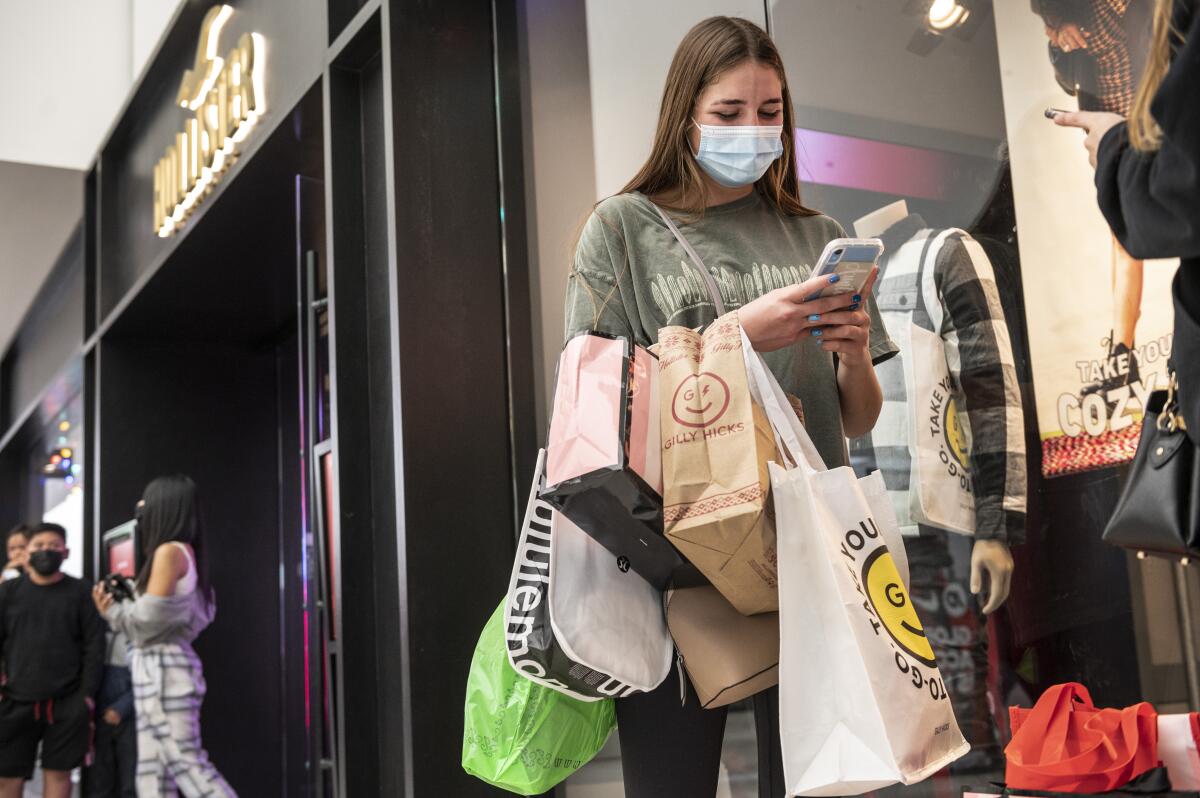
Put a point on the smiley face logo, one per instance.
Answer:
(894, 608)
(956, 436)
(700, 400)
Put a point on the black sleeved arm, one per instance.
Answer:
(4, 588)
(1151, 199)
(93, 644)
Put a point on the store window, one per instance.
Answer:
(923, 123)
(60, 457)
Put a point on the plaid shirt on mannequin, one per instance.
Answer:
(980, 360)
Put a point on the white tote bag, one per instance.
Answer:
(939, 443)
(862, 704)
(578, 619)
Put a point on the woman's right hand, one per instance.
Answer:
(779, 318)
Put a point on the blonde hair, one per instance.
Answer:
(709, 50)
(1144, 133)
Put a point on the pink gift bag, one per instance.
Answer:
(604, 457)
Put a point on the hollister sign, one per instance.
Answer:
(225, 95)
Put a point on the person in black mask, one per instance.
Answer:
(52, 647)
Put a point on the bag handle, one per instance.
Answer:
(714, 292)
(793, 440)
(928, 288)
(1050, 721)
(1106, 750)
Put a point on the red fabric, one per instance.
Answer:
(1066, 744)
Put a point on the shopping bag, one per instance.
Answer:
(519, 735)
(1178, 739)
(578, 619)
(939, 444)
(604, 462)
(862, 704)
(728, 656)
(716, 446)
(1066, 744)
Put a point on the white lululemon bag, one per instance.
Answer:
(579, 620)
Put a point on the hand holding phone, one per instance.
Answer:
(118, 587)
(852, 260)
(788, 315)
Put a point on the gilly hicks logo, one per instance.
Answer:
(226, 97)
(892, 606)
(700, 400)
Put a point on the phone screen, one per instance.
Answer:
(852, 276)
(851, 260)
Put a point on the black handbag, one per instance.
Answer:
(1159, 509)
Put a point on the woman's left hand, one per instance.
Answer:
(102, 599)
(1094, 123)
(848, 332)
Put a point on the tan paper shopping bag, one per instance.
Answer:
(716, 446)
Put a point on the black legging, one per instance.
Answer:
(669, 750)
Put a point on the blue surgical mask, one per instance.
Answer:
(738, 155)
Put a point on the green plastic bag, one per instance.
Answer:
(519, 735)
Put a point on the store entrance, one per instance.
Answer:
(201, 374)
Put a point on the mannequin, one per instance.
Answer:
(946, 567)
(987, 556)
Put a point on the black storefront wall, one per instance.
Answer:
(423, 306)
(378, 162)
(39, 373)
(457, 448)
(193, 367)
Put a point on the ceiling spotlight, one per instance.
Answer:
(945, 14)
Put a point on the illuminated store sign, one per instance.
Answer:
(226, 98)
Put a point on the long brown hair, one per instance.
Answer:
(1144, 133)
(709, 50)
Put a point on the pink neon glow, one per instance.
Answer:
(834, 160)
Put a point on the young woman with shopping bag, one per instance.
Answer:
(722, 167)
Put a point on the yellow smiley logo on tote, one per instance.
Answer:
(894, 608)
(956, 438)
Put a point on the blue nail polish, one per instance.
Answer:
(854, 306)
(833, 278)
(817, 333)
(857, 298)
(815, 317)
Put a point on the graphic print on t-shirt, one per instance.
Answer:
(674, 293)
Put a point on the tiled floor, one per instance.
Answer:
(739, 765)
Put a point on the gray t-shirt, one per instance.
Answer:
(632, 278)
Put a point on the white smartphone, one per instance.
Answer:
(851, 259)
